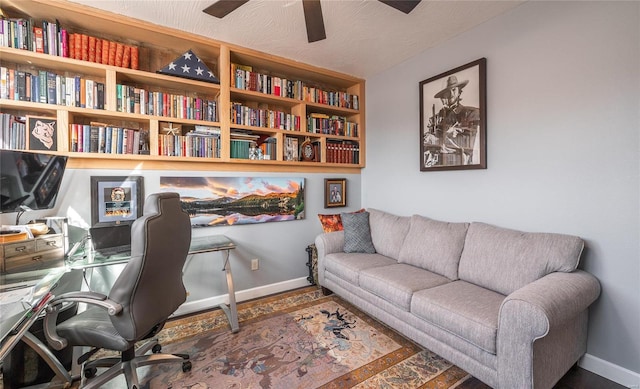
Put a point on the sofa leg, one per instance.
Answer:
(325, 291)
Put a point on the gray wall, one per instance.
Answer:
(279, 246)
(563, 87)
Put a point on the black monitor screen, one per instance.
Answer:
(29, 179)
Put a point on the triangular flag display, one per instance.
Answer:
(188, 65)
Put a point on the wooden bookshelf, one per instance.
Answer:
(158, 46)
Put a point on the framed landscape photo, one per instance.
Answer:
(43, 133)
(453, 119)
(116, 200)
(335, 192)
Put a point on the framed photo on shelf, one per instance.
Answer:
(453, 119)
(335, 192)
(43, 133)
(116, 200)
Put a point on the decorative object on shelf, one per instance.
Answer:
(307, 153)
(226, 201)
(335, 192)
(116, 200)
(170, 129)
(453, 135)
(188, 65)
(43, 133)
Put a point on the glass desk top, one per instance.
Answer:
(23, 296)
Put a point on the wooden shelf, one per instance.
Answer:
(158, 46)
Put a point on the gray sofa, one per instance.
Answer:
(509, 307)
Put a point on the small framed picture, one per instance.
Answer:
(116, 200)
(335, 192)
(43, 133)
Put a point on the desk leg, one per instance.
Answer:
(48, 357)
(231, 310)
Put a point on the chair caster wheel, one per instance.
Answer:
(156, 349)
(186, 366)
(90, 372)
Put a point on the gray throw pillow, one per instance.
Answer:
(357, 234)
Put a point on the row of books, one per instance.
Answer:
(137, 100)
(268, 149)
(51, 88)
(14, 132)
(343, 152)
(102, 138)
(51, 38)
(203, 142)
(241, 148)
(259, 117)
(243, 77)
(319, 123)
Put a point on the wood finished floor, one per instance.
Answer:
(576, 378)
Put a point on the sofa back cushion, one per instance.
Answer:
(434, 245)
(388, 232)
(505, 260)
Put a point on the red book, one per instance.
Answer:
(112, 53)
(78, 46)
(92, 49)
(39, 39)
(105, 52)
(64, 44)
(98, 50)
(119, 54)
(134, 57)
(84, 47)
(72, 46)
(126, 57)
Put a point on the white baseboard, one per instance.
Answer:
(610, 371)
(241, 295)
(595, 365)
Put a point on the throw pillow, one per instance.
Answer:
(357, 233)
(331, 223)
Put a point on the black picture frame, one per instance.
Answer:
(43, 133)
(453, 119)
(116, 200)
(335, 192)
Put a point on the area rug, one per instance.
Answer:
(299, 339)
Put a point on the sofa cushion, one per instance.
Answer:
(388, 232)
(434, 245)
(505, 260)
(463, 309)
(348, 266)
(397, 283)
(332, 222)
(357, 234)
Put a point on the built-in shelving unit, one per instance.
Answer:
(263, 106)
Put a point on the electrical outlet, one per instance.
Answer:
(255, 264)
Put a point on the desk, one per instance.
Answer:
(213, 243)
(22, 314)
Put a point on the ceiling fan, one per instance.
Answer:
(312, 13)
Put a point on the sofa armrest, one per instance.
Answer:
(328, 243)
(556, 303)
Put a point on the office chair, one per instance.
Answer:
(148, 290)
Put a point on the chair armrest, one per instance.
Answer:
(328, 243)
(54, 306)
(531, 312)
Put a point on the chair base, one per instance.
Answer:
(128, 366)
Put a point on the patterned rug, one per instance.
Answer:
(298, 339)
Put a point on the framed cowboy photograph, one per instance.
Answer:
(116, 200)
(453, 119)
(335, 192)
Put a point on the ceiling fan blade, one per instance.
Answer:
(313, 19)
(222, 8)
(405, 6)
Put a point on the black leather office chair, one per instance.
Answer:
(148, 290)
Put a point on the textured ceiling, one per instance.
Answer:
(364, 37)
